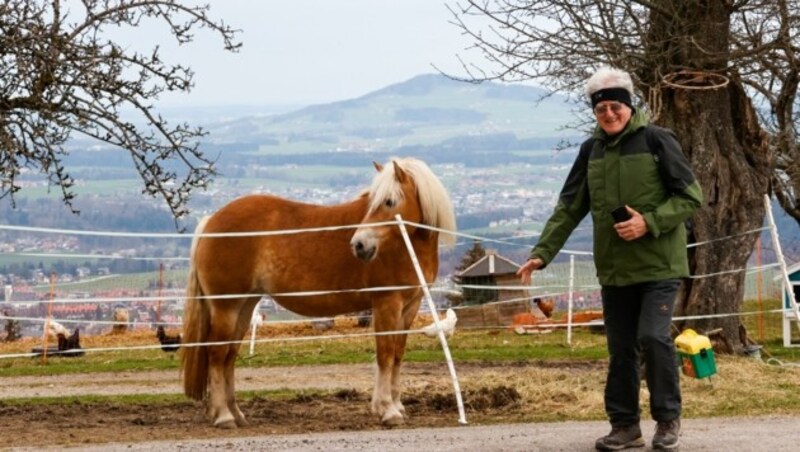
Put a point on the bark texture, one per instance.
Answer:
(721, 135)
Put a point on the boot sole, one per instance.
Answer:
(639, 442)
(672, 447)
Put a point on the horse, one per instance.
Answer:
(329, 262)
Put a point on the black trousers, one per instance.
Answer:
(637, 321)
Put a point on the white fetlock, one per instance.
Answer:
(225, 421)
(380, 405)
(398, 405)
(239, 417)
(392, 417)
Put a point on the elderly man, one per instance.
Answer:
(637, 184)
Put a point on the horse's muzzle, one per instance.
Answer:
(362, 251)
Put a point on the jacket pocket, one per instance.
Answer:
(641, 186)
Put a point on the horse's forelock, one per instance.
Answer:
(437, 209)
(384, 186)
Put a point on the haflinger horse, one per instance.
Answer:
(329, 263)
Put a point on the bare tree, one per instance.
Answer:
(61, 76)
(722, 73)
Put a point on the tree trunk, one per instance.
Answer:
(721, 136)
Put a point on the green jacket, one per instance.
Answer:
(643, 167)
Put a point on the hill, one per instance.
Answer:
(446, 121)
(430, 116)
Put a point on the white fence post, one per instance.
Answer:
(462, 418)
(569, 302)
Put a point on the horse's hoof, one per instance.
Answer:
(227, 425)
(226, 422)
(393, 421)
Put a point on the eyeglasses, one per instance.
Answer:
(615, 108)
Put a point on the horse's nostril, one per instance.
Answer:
(359, 246)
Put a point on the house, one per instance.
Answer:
(791, 299)
(82, 272)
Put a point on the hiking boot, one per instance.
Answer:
(667, 433)
(621, 438)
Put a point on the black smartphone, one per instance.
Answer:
(620, 214)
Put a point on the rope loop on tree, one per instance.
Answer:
(698, 80)
(654, 101)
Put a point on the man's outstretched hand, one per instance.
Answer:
(528, 268)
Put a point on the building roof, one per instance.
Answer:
(491, 264)
(794, 268)
(791, 270)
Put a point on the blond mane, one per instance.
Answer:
(437, 209)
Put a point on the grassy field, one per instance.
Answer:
(288, 344)
(132, 281)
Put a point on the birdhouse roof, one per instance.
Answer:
(491, 264)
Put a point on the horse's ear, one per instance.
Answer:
(399, 174)
(377, 166)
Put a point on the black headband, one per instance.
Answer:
(617, 94)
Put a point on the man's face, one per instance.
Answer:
(612, 116)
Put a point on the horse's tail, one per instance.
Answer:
(196, 321)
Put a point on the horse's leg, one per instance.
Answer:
(386, 317)
(230, 388)
(224, 314)
(242, 325)
(409, 314)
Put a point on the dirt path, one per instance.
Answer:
(337, 400)
(169, 382)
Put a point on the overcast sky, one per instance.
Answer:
(312, 51)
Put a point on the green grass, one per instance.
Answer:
(499, 345)
(467, 346)
(127, 361)
(766, 329)
(132, 281)
(46, 261)
(112, 188)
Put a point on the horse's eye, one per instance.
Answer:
(389, 203)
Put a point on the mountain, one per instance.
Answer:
(432, 115)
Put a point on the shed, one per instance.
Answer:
(491, 270)
(489, 306)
